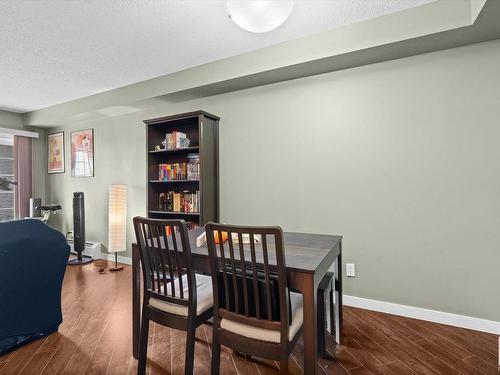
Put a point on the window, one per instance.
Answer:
(7, 192)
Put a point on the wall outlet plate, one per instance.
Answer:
(350, 270)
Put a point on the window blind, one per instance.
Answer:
(7, 197)
(23, 175)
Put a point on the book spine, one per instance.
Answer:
(186, 201)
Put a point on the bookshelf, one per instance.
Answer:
(169, 190)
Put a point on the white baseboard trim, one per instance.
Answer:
(111, 257)
(456, 320)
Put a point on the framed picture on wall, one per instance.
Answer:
(82, 153)
(55, 161)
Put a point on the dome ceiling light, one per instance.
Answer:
(259, 16)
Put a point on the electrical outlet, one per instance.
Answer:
(350, 270)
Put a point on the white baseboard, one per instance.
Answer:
(456, 320)
(111, 257)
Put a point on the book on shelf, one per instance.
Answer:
(185, 201)
(179, 171)
(170, 172)
(193, 167)
(176, 140)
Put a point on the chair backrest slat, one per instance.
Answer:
(162, 238)
(147, 252)
(155, 255)
(166, 260)
(244, 273)
(255, 277)
(224, 270)
(250, 285)
(235, 282)
(169, 257)
(266, 275)
(177, 262)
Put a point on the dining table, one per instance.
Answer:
(308, 258)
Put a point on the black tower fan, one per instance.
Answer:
(79, 230)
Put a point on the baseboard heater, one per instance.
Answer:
(92, 249)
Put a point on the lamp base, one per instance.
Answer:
(116, 267)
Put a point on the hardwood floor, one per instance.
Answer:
(96, 337)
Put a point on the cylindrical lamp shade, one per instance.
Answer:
(117, 218)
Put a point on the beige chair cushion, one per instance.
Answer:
(268, 334)
(204, 296)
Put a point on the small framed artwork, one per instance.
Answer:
(82, 153)
(55, 162)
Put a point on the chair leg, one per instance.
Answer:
(332, 309)
(215, 352)
(284, 366)
(143, 345)
(321, 322)
(190, 340)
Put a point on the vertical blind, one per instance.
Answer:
(7, 171)
(22, 174)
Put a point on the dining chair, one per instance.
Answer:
(254, 312)
(174, 296)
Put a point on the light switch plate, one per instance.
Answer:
(350, 270)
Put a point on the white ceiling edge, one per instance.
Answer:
(435, 17)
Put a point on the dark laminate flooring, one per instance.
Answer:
(96, 338)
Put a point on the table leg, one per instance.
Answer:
(338, 297)
(310, 326)
(136, 301)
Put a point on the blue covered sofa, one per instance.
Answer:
(33, 260)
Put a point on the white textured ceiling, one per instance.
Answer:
(53, 51)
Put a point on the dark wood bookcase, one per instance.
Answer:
(202, 129)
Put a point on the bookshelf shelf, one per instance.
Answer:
(202, 129)
(173, 181)
(163, 212)
(175, 150)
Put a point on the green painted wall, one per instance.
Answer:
(400, 157)
(11, 120)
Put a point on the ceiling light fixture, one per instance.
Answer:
(259, 16)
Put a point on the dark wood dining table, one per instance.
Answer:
(308, 258)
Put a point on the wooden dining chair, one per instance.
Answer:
(254, 312)
(174, 295)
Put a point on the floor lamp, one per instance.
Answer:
(117, 222)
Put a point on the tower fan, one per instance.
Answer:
(79, 230)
